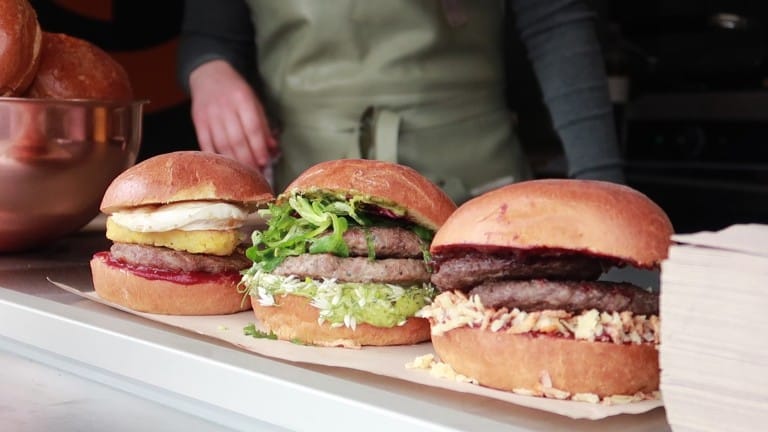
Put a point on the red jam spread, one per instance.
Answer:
(179, 277)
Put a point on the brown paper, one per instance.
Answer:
(386, 361)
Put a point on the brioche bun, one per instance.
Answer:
(186, 176)
(21, 46)
(427, 204)
(73, 68)
(590, 216)
(541, 220)
(366, 283)
(157, 284)
(119, 285)
(519, 361)
(294, 318)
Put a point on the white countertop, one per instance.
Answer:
(39, 398)
(71, 364)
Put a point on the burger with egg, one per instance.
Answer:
(521, 307)
(344, 258)
(175, 221)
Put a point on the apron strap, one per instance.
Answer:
(379, 140)
(386, 130)
(379, 134)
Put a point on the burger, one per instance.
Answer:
(20, 48)
(344, 258)
(522, 306)
(176, 221)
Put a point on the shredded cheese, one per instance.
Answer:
(452, 310)
(543, 388)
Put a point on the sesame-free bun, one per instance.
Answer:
(125, 288)
(294, 318)
(73, 68)
(186, 176)
(509, 362)
(426, 203)
(21, 46)
(599, 218)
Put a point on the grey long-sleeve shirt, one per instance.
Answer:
(557, 34)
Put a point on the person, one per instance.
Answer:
(422, 83)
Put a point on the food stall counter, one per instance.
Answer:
(186, 380)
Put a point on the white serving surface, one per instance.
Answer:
(112, 367)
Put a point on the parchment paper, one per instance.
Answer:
(386, 361)
(746, 238)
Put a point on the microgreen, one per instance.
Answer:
(316, 223)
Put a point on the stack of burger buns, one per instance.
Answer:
(20, 50)
(73, 68)
(38, 64)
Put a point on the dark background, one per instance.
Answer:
(693, 122)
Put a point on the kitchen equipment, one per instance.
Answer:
(57, 158)
(701, 156)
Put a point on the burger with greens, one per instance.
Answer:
(344, 258)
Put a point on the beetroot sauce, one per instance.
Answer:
(178, 277)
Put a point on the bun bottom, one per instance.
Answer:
(122, 287)
(294, 318)
(509, 362)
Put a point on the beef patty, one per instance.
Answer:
(387, 242)
(170, 259)
(539, 294)
(464, 272)
(401, 271)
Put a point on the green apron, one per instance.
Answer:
(411, 81)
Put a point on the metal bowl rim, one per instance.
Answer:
(10, 100)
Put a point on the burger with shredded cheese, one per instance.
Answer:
(344, 260)
(176, 221)
(522, 305)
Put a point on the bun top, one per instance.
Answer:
(20, 50)
(72, 68)
(426, 204)
(599, 218)
(186, 176)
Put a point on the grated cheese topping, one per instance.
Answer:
(543, 388)
(452, 310)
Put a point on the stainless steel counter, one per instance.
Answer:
(191, 382)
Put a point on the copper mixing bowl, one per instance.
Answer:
(57, 158)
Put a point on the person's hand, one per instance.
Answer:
(228, 117)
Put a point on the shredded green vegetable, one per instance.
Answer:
(344, 303)
(251, 330)
(298, 224)
(316, 223)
